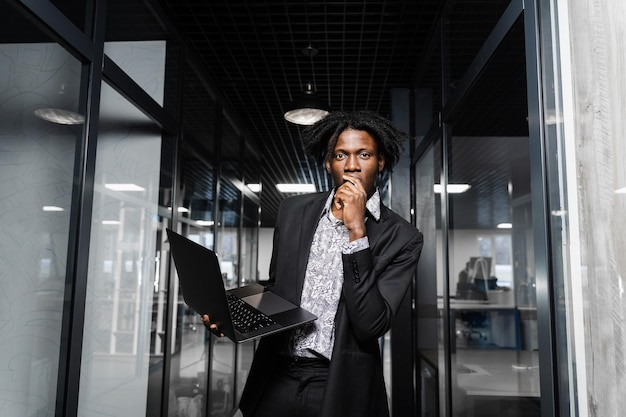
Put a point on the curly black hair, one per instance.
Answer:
(319, 139)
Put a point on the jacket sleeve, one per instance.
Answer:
(376, 280)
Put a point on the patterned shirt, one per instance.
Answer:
(324, 279)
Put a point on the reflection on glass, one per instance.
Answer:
(245, 354)
(430, 341)
(231, 152)
(222, 383)
(490, 263)
(138, 49)
(228, 233)
(122, 262)
(187, 394)
(221, 396)
(36, 181)
(494, 347)
(198, 110)
(190, 351)
(143, 61)
(467, 34)
(249, 274)
(73, 10)
(160, 283)
(249, 242)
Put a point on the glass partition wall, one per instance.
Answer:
(122, 259)
(493, 328)
(42, 123)
(475, 205)
(98, 158)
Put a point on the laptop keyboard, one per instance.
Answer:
(245, 318)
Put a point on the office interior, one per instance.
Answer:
(110, 133)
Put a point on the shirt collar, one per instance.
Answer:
(372, 205)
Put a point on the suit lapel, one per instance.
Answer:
(376, 228)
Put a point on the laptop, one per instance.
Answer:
(242, 314)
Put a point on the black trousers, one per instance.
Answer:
(296, 388)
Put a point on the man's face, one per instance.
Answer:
(356, 155)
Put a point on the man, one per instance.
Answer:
(348, 259)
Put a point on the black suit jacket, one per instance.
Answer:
(375, 282)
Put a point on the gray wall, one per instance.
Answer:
(598, 45)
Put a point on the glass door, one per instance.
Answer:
(490, 300)
(476, 300)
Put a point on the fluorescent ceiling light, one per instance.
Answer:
(53, 208)
(60, 116)
(453, 188)
(205, 222)
(124, 187)
(111, 222)
(505, 226)
(621, 191)
(180, 209)
(255, 188)
(296, 188)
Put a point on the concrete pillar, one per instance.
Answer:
(598, 67)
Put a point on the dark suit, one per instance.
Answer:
(375, 282)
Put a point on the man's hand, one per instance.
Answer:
(349, 206)
(206, 320)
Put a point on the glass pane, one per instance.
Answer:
(198, 111)
(249, 274)
(74, 11)
(245, 354)
(196, 210)
(190, 350)
(36, 183)
(430, 349)
(249, 242)
(494, 361)
(231, 152)
(468, 25)
(221, 396)
(143, 61)
(160, 283)
(139, 49)
(223, 350)
(122, 261)
(252, 166)
(228, 233)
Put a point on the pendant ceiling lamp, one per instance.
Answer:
(308, 108)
